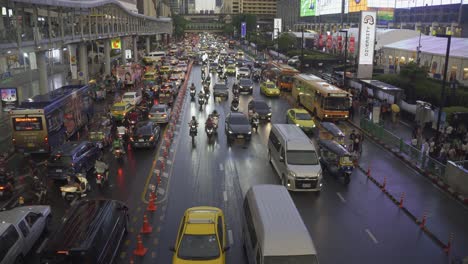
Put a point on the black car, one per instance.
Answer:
(220, 90)
(260, 62)
(262, 108)
(229, 62)
(240, 63)
(237, 126)
(246, 85)
(145, 135)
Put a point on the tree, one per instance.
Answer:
(286, 42)
(413, 72)
(228, 29)
(179, 23)
(249, 19)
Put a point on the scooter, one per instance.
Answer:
(192, 95)
(201, 102)
(255, 123)
(209, 131)
(193, 132)
(76, 190)
(101, 176)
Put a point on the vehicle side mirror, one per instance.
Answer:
(281, 158)
(172, 248)
(226, 248)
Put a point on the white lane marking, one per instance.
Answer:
(341, 197)
(221, 167)
(371, 236)
(225, 196)
(230, 237)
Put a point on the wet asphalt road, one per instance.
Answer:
(349, 224)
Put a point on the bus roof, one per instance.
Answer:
(322, 86)
(43, 100)
(309, 77)
(281, 229)
(284, 67)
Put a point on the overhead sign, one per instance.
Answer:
(276, 27)
(115, 43)
(308, 8)
(243, 29)
(367, 37)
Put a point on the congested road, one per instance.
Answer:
(349, 224)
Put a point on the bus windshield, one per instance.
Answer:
(337, 103)
(27, 123)
(286, 79)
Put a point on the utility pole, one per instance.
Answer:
(418, 49)
(302, 49)
(345, 56)
(442, 96)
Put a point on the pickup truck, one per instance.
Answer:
(20, 229)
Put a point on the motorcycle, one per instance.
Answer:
(76, 190)
(201, 102)
(255, 121)
(192, 95)
(118, 154)
(101, 176)
(256, 77)
(215, 123)
(193, 132)
(209, 131)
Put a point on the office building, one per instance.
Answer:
(146, 7)
(174, 5)
(288, 11)
(265, 8)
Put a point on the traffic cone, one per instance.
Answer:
(402, 197)
(151, 205)
(140, 249)
(146, 229)
(131, 260)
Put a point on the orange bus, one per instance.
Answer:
(325, 101)
(283, 74)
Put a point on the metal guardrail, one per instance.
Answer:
(408, 152)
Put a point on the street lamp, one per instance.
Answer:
(444, 80)
(345, 55)
(301, 63)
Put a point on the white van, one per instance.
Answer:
(133, 98)
(294, 157)
(273, 230)
(155, 56)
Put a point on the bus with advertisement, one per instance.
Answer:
(44, 122)
(282, 74)
(325, 101)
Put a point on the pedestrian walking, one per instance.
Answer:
(352, 136)
(357, 144)
(424, 153)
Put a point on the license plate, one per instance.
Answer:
(141, 140)
(240, 136)
(30, 145)
(98, 181)
(306, 185)
(58, 170)
(1, 193)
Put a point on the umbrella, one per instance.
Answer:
(395, 108)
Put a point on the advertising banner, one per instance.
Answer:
(9, 97)
(367, 37)
(325, 7)
(357, 5)
(308, 8)
(385, 15)
(276, 27)
(351, 44)
(116, 44)
(243, 29)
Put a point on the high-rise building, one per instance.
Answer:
(259, 8)
(146, 7)
(288, 11)
(219, 3)
(175, 6)
(231, 7)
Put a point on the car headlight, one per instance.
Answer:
(230, 131)
(326, 115)
(291, 174)
(250, 132)
(298, 125)
(269, 114)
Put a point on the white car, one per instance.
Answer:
(243, 72)
(20, 229)
(132, 98)
(294, 60)
(160, 113)
(182, 66)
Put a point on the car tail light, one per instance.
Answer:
(14, 140)
(46, 140)
(131, 139)
(151, 138)
(2, 188)
(150, 115)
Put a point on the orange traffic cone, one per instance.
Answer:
(151, 205)
(131, 260)
(146, 229)
(140, 249)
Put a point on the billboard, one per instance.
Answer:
(243, 29)
(116, 44)
(385, 15)
(276, 27)
(418, 3)
(308, 8)
(367, 37)
(357, 5)
(325, 7)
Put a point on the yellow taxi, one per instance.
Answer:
(149, 76)
(201, 237)
(121, 109)
(301, 118)
(269, 89)
(165, 69)
(230, 69)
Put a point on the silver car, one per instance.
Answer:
(160, 113)
(20, 229)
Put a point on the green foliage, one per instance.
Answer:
(454, 109)
(413, 72)
(249, 19)
(179, 23)
(286, 42)
(228, 29)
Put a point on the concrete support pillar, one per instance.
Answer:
(72, 59)
(42, 70)
(107, 58)
(3, 64)
(84, 73)
(135, 49)
(148, 45)
(122, 50)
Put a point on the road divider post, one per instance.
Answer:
(146, 228)
(140, 249)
